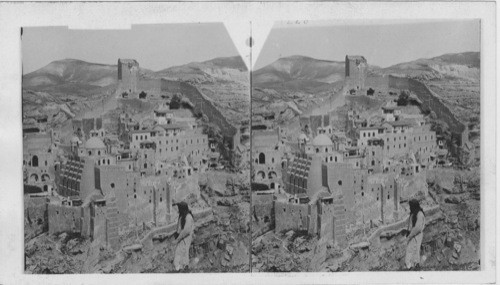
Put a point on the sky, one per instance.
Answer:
(381, 43)
(155, 47)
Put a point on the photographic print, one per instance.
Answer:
(271, 140)
(366, 147)
(135, 150)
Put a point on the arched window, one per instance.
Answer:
(317, 150)
(45, 177)
(34, 177)
(34, 161)
(340, 182)
(262, 158)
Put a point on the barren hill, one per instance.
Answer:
(217, 69)
(71, 71)
(300, 68)
(463, 66)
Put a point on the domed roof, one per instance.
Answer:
(94, 142)
(321, 140)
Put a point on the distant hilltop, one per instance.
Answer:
(74, 71)
(302, 68)
(71, 71)
(464, 65)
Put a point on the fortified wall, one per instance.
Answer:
(326, 218)
(207, 108)
(432, 103)
(35, 209)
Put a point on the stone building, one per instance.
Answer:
(355, 71)
(312, 124)
(39, 160)
(85, 128)
(95, 218)
(128, 75)
(267, 155)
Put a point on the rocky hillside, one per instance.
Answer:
(224, 81)
(295, 84)
(217, 69)
(465, 66)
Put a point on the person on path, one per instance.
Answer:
(183, 236)
(416, 224)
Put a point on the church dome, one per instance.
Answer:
(321, 140)
(94, 143)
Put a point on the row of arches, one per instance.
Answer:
(34, 178)
(271, 175)
(331, 158)
(103, 162)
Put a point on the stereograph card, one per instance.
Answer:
(317, 143)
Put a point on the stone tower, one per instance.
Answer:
(355, 71)
(128, 73)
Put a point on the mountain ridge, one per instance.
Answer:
(299, 67)
(463, 66)
(76, 71)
